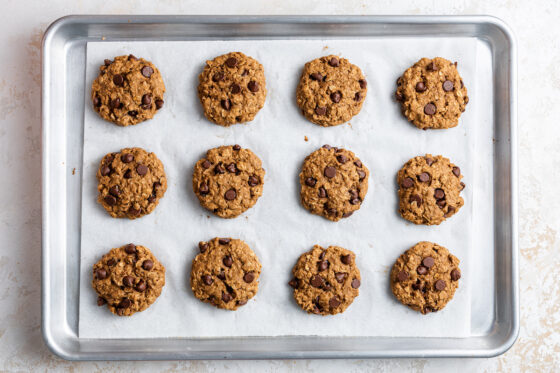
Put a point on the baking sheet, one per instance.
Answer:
(277, 228)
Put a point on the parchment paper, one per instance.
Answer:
(278, 228)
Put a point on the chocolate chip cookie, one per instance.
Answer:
(326, 281)
(225, 273)
(432, 94)
(229, 180)
(232, 89)
(429, 189)
(425, 277)
(128, 90)
(131, 182)
(331, 91)
(334, 183)
(128, 279)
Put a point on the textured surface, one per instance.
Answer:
(334, 183)
(429, 189)
(128, 279)
(128, 90)
(425, 277)
(432, 93)
(232, 89)
(538, 347)
(229, 180)
(326, 281)
(131, 182)
(331, 90)
(225, 273)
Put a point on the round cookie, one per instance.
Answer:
(326, 281)
(334, 183)
(225, 273)
(232, 89)
(425, 277)
(432, 94)
(229, 180)
(128, 279)
(429, 189)
(131, 182)
(128, 90)
(331, 91)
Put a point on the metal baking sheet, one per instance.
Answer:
(494, 323)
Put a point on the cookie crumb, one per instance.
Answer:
(305, 138)
(74, 171)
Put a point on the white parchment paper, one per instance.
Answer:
(278, 228)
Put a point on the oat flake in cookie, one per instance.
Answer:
(232, 89)
(131, 182)
(128, 90)
(432, 94)
(425, 277)
(331, 91)
(429, 189)
(334, 183)
(128, 279)
(229, 180)
(225, 273)
(326, 281)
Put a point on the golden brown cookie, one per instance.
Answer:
(429, 189)
(229, 180)
(131, 182)
(425, 277)
(225, 273)
(331, 91)
(128, 90)
(326, 281)
(232, 89)
(334, 183)
(128, 279)
(432, 94)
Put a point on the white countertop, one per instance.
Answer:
(538, 34)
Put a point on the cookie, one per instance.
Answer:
(432, 94)
(425, 277)
(429, 189)
(326, 281)
(128, 90)
(331, 91)
(229, 180)
(334, 183)
(232, 89)
(130, 183)
(225, 273)
(128, 279)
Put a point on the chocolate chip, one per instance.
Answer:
(430, 109)
(347, 214)
(429, 161)
(432, 66)
(228, 262)
(140, 286)
(253, 181)
(322, 192)
(147, 71)
(355, 201)
(242, 302)
(231, 62)
(226, 297)
(110, 200)
(462, 185)
(327, 146)
(423, 177)
(330, 210)
(456, 171)
(224, 241)
(358, 96)
(108, 62)
(408, 182)
(340, 276)
(316, 309)
(235, 88)
(133, 211)
(310, 181)
(125, 303)
(101, 301)
(399, 96)
(422, 270)
(316, 76)
(101, 274)
(118, 80)
(420, 87)
(115, 190)
(203, 188)
(207, 280)
(221, 275)
(330, 172)
(415, 198)
(147, 265)
(127, 158)
(346, 259)
(317, 281)
(323, 265)
(341, 158)
(428, 262)
(334, 302)
(427, 309)
(320, 110)
(206, 164)
(455, 275)
(159, 104)
(355, 283)
(111, 262)
(440, 285)
(142, 169)
(230, 195)
(253, 86)
(358, 163)
(402, 276)
(218, 77)
(439, 194)
(133, 113)
(294, 283)
(336, 97)
(361, 175)
(96, 101)
(236, 147)
(105, 171)
(128, 281)
(130, 249)
(219, 169)
(226, 104)
(202, 246)
(249, 277)
(232, 168)
(450, 211)
(334, 62)
(448, 86)
(363, 83)
(116, 103)
(441, 203)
